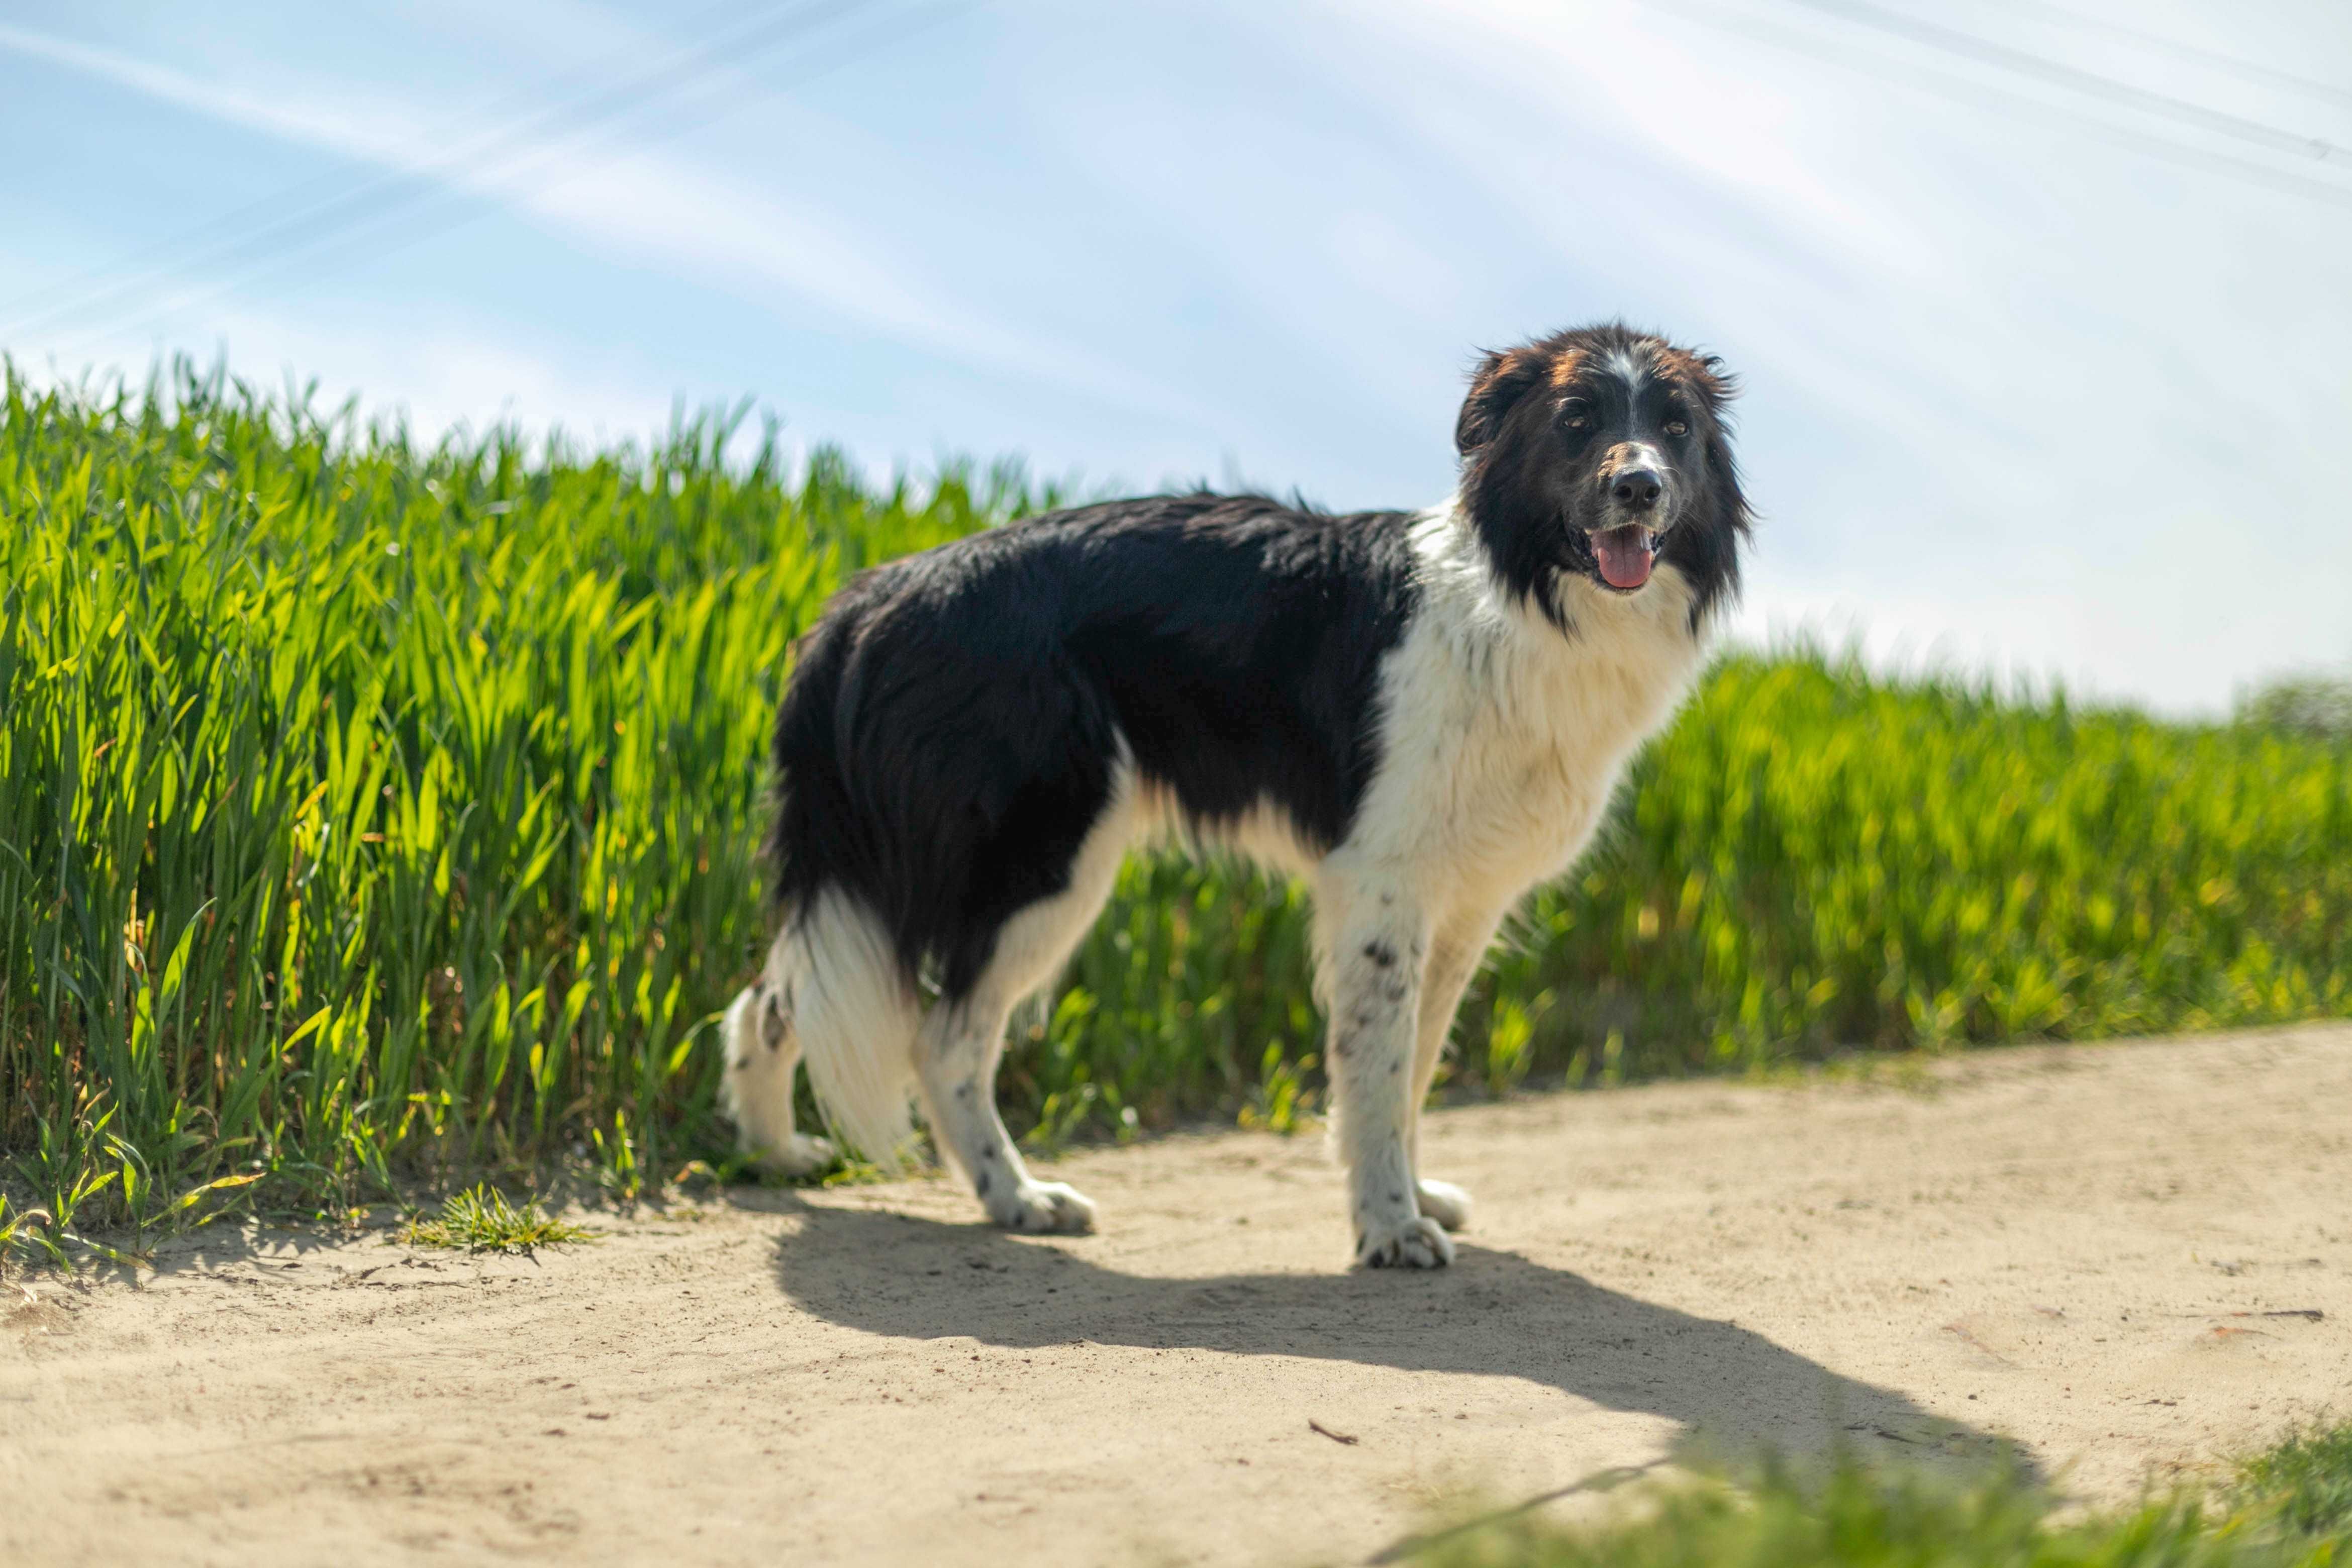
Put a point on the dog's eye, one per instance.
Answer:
(1576, 413)
(1677, 426)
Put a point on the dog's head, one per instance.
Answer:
(1601, 456)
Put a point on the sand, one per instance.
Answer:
(2112, 1263)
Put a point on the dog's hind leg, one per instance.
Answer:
(957, 1061)
(762, 1053)
(962, 1041)
(835, 991)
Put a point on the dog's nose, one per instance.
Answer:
(1637, 487)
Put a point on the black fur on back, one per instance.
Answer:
(950, 731)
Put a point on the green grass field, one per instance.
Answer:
(373, 814)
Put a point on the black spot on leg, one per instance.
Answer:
(742, 1064)
(980, 1183)
(1396, 1197)
(1381, 953)
(964, 1089)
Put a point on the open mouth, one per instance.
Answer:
(1625, 554)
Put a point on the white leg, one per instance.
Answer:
(1376, 949)
(956, 1059)
(1454, 958)
(762, 1053)
(962, 1041)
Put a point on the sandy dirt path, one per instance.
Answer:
(2105, 1254)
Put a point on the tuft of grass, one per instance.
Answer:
(372, 812)
(2305, 1483)
(481, 1219)
(1855, 1518)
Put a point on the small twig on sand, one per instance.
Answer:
(1315, 1425)
(1970, 1340)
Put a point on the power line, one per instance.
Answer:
(296, 200)
(341, 214)
(2212, 58)
(2017, 105)
(376, 198)
(362, 240)
(2026, 63)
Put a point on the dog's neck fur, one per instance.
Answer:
(1539, 722)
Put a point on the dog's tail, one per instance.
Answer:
(835, 992)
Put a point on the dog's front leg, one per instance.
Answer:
(1376, 971)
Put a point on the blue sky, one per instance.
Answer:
(2044, 309)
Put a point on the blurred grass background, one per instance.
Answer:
(2289, 1506)
(373, 813)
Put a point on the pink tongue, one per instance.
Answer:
(1625, 556)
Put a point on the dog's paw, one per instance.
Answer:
(1446, 1204)
(1047, 1207)
(1419, 1243)
(801, 1155)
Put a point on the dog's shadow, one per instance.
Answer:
(1735, 1395)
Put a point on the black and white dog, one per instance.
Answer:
(1422, 713)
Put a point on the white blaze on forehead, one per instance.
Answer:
(1631, 369)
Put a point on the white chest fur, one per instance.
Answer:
(1504, 736)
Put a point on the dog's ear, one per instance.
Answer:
(1715, 384)
(1502, 378)
(1716, 387)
